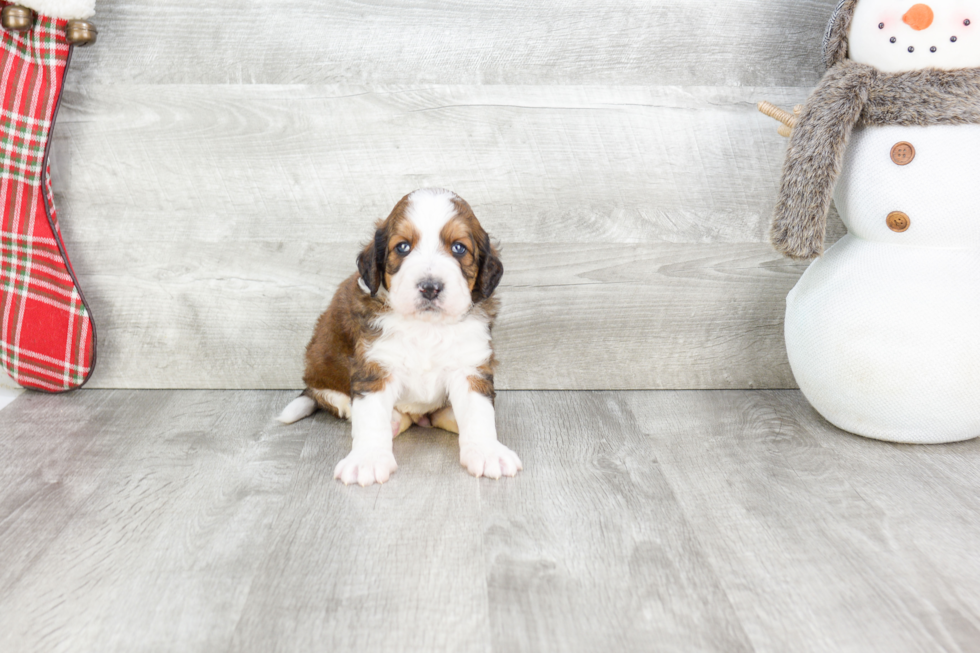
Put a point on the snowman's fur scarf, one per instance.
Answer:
(850, 94)
(813, 159)
(66, 9)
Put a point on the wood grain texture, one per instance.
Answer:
(532, 42)
(670, 521)
(822, 540)
(925, 501)
(587, 550)
(321, 164)
(52, 454)
(396, 567)
(218, 270)
(157, 548)
(573, 316)
(213, 185)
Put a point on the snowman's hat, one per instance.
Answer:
(835, 38)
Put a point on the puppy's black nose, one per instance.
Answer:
(430, 289)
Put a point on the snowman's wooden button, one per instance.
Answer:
(903, 153)
(898, 221)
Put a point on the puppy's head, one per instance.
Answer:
(432, 256)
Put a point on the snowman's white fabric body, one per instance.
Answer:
(883, 331)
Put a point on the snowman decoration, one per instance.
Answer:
(883, 330)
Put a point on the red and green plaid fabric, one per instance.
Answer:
(47, 339)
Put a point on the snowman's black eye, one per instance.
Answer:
(881, 26)
(932, 49)
(911, 49)
(952, 39)
(966, 22)
(892, 39)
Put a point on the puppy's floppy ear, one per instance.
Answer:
(490, 272)
(371, 262)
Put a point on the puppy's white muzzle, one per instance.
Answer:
(430, 285)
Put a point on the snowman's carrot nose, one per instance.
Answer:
(919, 17)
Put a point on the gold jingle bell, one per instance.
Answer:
(81, 33)
(15, 18)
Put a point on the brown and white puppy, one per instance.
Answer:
(407, 340)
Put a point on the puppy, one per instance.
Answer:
(407, 340)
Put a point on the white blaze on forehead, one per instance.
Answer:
(870, 44)
(429, 209)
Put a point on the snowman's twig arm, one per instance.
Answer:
(788, 119)
(814, 157)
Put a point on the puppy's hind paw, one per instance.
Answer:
(366, 467)
(490, 459)
(400, 423)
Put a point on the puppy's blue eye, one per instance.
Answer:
(403, 247)
(459, 249)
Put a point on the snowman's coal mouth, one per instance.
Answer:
(933, 49)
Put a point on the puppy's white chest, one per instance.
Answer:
(422, 357)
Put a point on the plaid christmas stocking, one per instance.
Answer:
(47, 339)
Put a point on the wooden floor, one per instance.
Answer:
(644, 521)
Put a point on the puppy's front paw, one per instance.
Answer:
(490, 459)
(366, 467)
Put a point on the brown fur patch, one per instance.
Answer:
(488, 266)
(398, 229)
(377, 262)
(321, 404)
(483, 382)
(469, 233)
(335, 354)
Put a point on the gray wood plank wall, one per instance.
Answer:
(217, 166)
